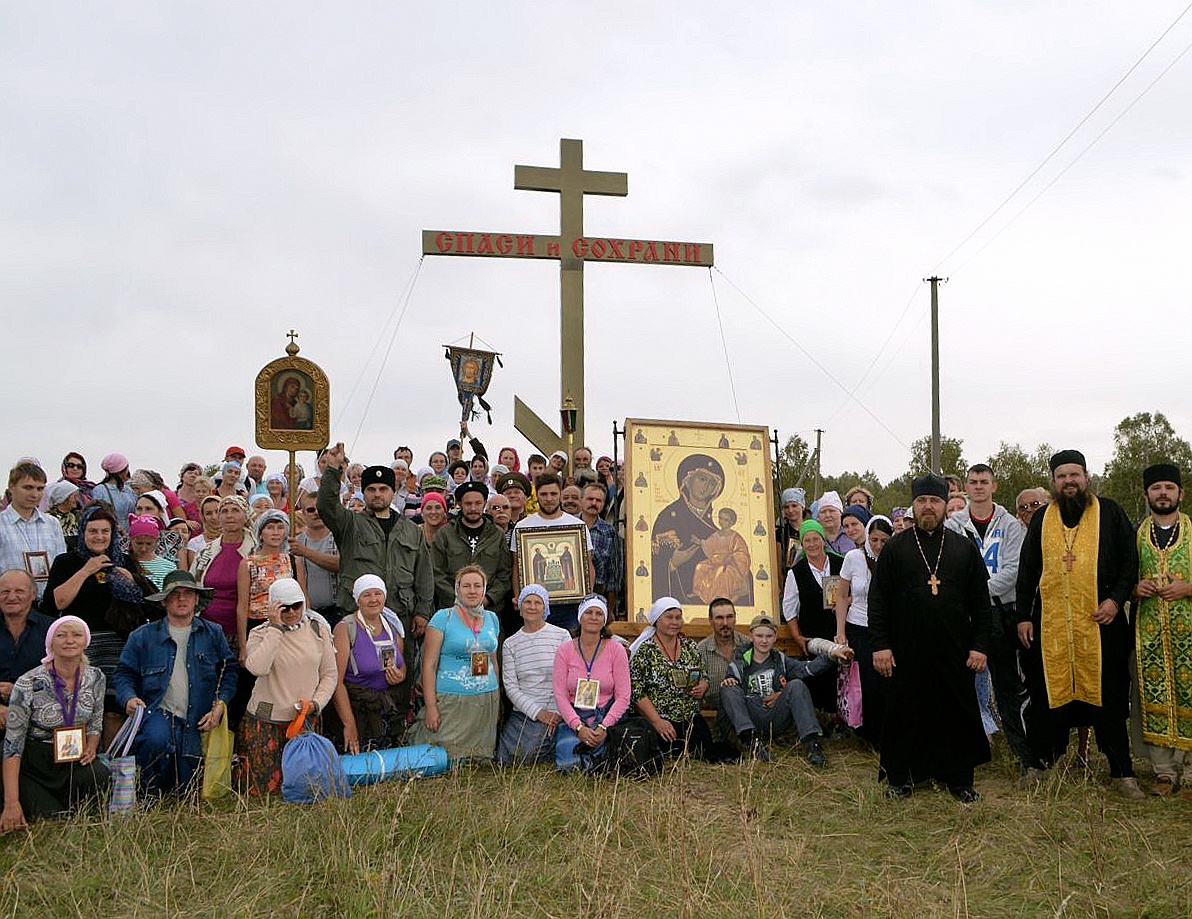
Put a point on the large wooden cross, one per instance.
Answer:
(571, 248)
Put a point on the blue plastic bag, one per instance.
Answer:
(310, 770)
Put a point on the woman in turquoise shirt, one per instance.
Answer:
(459, 674)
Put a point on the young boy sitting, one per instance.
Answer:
(764, 693)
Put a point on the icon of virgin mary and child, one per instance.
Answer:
(290, 407)
(696, 552)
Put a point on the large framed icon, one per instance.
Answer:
(699, 520)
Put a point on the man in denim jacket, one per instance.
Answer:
(186, 695)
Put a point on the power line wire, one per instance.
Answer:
(877, 356)
(392, 338)
(343, 408)
(732, 388)
(1078, 156)
(1067, 137)
(811, 357)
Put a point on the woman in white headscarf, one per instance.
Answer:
(292, 659)
(591, 684)
(372, 669)
(667, 672)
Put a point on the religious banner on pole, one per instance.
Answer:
(699, 520)
(571, 249)
(472, 370)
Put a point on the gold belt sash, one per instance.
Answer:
(1069, 636)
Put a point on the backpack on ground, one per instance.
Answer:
(631, 749)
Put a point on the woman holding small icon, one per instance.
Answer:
(368, 653)
(55, 718)
(591, 684)
(667, 672)
(459, 674)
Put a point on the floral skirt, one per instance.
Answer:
(259, 745)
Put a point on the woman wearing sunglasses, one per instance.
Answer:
(74, 471)
(292, 657)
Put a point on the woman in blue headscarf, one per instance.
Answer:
(527, 671)
(104, 588)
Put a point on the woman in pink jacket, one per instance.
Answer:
(592, 689)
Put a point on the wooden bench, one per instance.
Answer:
(699, 629)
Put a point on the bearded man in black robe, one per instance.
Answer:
(929, 621)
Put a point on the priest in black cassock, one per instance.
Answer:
(1078, 567)
(929, 619)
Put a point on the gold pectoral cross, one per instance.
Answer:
(934, 583)
(1068, 560)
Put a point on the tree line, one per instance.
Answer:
(1138, 441)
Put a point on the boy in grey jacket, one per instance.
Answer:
(764, 693)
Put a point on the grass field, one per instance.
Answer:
(760, 840)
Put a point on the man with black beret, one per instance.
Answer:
(1163, 623)
(517, 488)
(1078, 567)
(471, 539)
(929, 620)
(379, 541)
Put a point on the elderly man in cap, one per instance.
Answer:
(1078, 567)
(471, 539)
(379, 541)
(517, 488)
(929, 620)
(23, 637)
(1163, 620)
(183, 672)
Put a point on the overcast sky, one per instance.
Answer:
(182, 184)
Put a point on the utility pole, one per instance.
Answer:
(935, 372)
(816, 493)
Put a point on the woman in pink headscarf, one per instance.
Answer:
(507, 457)
(55, 718)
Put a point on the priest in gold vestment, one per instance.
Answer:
(1078, 567)
(1163, 623)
